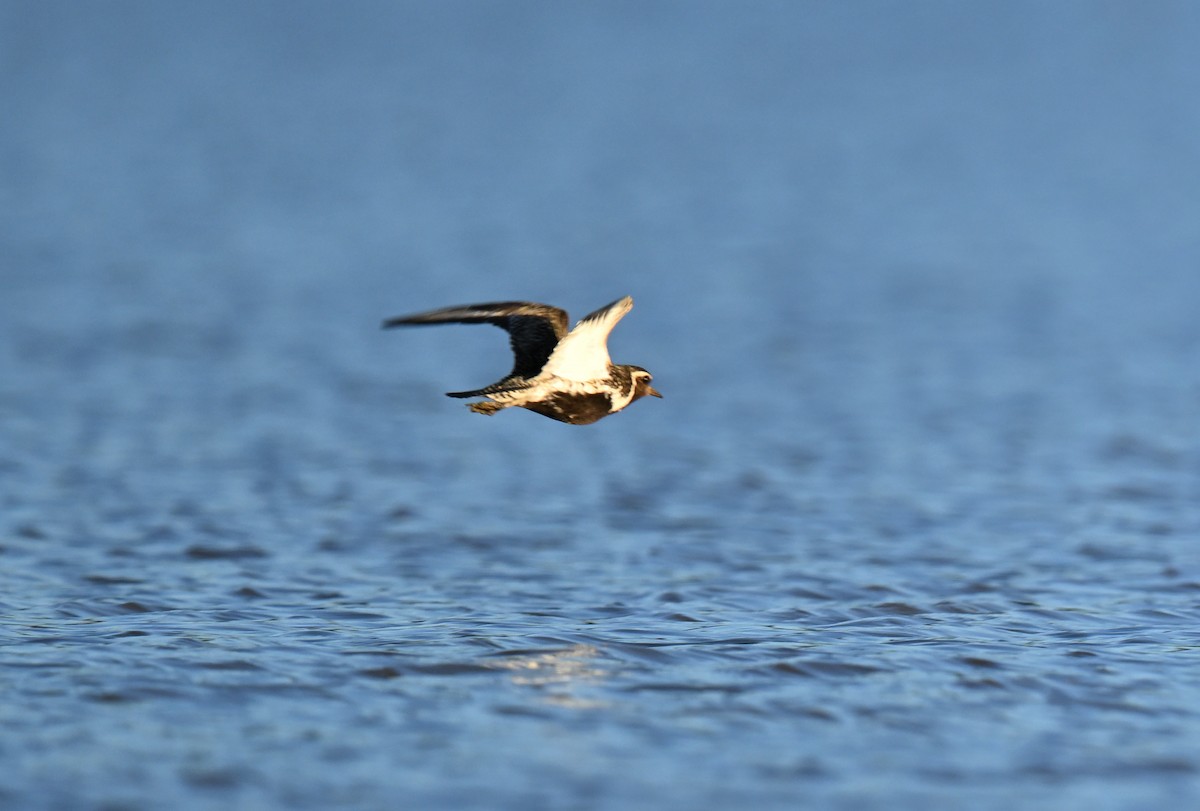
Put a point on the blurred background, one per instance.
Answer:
(919, 282)
(776, 181)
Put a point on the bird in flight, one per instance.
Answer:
(566, 376)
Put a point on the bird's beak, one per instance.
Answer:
(653, 392)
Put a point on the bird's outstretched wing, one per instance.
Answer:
(534, 331)
(583, 354)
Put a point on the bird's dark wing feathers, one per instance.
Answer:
(534, 330)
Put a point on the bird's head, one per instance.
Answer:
(641, 383)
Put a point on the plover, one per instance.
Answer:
(566, 376)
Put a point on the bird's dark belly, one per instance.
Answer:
(577, 409)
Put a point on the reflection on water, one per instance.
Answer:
(559, 672)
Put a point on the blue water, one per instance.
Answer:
(917, 524)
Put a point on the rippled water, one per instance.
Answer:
(916, 524)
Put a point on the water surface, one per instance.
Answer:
(914, 527)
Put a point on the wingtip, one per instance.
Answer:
(401, 321)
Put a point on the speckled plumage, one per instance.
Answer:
(566, 376)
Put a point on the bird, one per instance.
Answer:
(566, 376)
